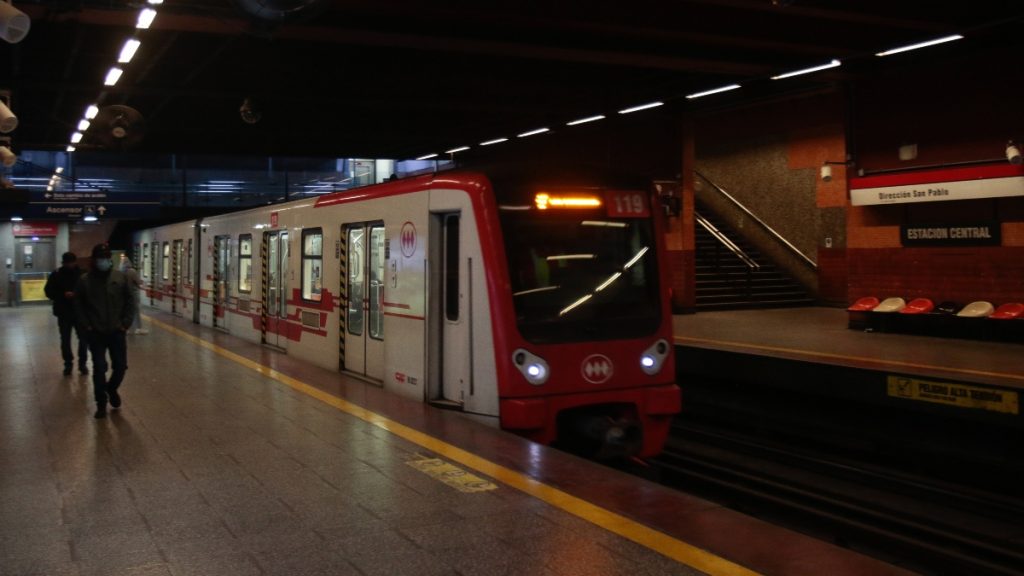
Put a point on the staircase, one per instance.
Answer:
(741, 277)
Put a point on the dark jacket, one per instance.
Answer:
(103, 302)
(59, 282)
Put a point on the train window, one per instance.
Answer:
(176, 262)
(312, 264)
(145, 260)
(376, 282)
(245, 263)
(165, 270)
(188, 264)
(354, 261)
(451, 267)
(581, 274)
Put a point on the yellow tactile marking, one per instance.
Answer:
(863, 359)
(660, 542)
(451, 475)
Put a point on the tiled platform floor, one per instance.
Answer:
(212, 468)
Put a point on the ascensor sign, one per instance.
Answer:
(994, 181)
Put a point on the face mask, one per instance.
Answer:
(103, 264)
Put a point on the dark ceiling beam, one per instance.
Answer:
(812, 12)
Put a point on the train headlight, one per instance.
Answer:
(652, 359)
(532, 367)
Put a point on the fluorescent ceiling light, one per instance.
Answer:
(454, 150)
(128, 50)
(713, 91)
(585, 120)
(16, 218)
(640, 107)
(59, 169)
(427, 156)
(91, 111)
(83, 125)
(495, 141)
(155, 2)
(113, 75)
(942, 40)
(76, 137)
(146, 17)
(532, 132)
(69, 149)
(89, 218)
(831, 64)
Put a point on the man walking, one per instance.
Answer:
(60, 287)
(103, 308)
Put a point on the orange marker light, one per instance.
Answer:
(545, 201)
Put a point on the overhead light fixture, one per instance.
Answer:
(533, 132)
(146, 17)
(113, 75)
(1013, 153)
(713, 91)
(16, 218)
(155, 2)
(495, 141)
(8, 121)
(91, 111)
(14, 23)
(641, 107)
(926, 44)
(128, 50)
(585, 120)
(427, 157)
(69, 149)
(76, 137)
(59, 169)
(454, 150)
(83, 125)
(834, 63)
(90, 218)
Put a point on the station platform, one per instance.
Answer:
(229, 458)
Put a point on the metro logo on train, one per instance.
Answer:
(538, 304)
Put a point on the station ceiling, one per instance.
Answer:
(402, 78)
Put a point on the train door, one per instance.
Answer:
(363, 273)
(178, 303)
(274, 260)
(453, 346)
(221, 280)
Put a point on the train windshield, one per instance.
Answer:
(583, 267)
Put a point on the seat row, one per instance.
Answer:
(979, 319)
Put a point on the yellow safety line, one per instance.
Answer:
(684, 340)
(658, 541)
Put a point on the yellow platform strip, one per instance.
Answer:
(660, 542)
(861, 359)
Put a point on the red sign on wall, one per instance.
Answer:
(35, 228)
(273, 219)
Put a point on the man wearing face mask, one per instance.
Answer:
(103, 309)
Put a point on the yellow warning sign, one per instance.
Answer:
(960, 395)
(452, 475)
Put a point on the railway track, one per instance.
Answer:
(920, 523)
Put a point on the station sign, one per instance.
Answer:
(964, 234)
(990, 181)
(34, 228)
(102, 203)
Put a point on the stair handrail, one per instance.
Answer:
(762, 223)
(725, 241)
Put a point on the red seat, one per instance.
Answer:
(864, 304)
(918, 306)
(1008, 311)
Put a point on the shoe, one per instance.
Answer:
(101, 412)
(115, 399)
(67, 370)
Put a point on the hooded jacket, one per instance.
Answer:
(61, 280)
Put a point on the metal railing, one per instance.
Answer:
(771, 231)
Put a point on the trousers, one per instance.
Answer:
(100, 344)
(66, 325)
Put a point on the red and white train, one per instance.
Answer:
(541, 306)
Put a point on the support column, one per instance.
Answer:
(680, 236)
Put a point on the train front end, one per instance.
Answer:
(589, 365)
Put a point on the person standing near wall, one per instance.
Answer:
(136, 283)
(103, 309)
(60, 287)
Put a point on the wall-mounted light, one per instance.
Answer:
(1013, 153)
(14, 23)
(826, 168)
